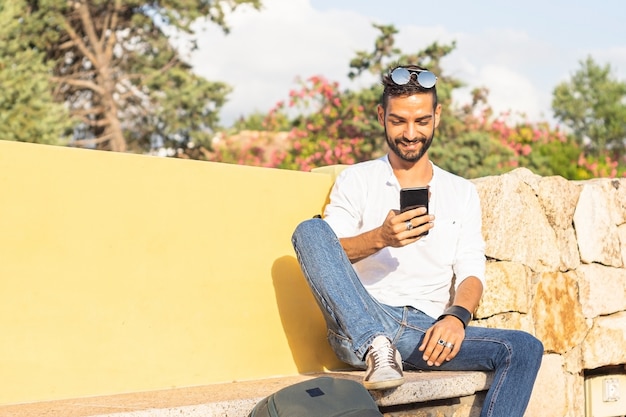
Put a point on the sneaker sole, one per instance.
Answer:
(390, 383)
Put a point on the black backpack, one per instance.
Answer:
(319, 397)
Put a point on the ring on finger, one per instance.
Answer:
(409, 225)
(445, 344)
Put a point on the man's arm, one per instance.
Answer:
(468, 294)
(393, 232)
(450, 328)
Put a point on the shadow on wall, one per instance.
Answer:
(302, 320)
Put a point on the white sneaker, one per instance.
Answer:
(384, 365)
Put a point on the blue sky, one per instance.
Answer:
(519, 50)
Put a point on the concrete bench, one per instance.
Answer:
(441, 393)
(128, 306)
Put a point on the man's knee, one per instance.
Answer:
(530, 345)
(312, 228)
(535, 347)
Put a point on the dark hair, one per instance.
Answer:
(391, 89)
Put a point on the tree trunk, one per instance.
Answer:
(97, 48)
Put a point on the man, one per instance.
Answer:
(385, 287)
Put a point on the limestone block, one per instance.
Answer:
(514, 321)
(604, 344)
(596, 224)
(514, 225)
(558, 197)
(557, 313)
(527, 176)
(621, 232)
(550, 393)
(568, 249)
(507, 289)
(602, 289)
(616, 189)
(573, 360)
(557, 391)
(576, 396)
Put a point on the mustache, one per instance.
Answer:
(405, 140)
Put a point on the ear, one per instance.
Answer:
(381, 115)
(437, 115)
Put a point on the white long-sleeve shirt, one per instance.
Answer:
(419, 274)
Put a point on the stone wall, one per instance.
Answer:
(556, 253)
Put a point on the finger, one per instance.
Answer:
(455, 350)
(440, 353)
(432, 351)
(410, 214)
(421, 229)
(413, 233)
(448, 352)
(426, 339)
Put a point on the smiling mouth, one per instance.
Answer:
(410, 144)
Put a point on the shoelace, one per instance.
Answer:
(382, 359)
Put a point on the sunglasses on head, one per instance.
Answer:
(424, 78)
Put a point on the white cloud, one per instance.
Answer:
(267, 50)
(511, 91)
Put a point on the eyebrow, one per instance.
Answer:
(419, 119)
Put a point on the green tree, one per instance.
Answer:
(342, 126)
(593, 105)
(325, 125)
(27, 110)
(333, 126)
(118, 72)
(458, 148)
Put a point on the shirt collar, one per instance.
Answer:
(393, 181)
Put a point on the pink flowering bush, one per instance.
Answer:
(319, 125)
(329, 127)
(549, 151)
(256, 148)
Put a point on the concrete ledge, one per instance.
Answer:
(236, 399)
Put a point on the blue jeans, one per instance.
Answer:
(354, 318)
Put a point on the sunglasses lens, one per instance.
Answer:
(400, 76)
(426, 79)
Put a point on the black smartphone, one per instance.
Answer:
(415, 197)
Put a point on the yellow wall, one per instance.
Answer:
(124, 273)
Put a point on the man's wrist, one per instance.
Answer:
(461, 313)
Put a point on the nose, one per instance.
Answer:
(410, 131)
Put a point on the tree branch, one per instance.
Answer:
(78, 41)
(85, 18)
(90, 85)
(95, 141)
(93, 123)
(90, 111)
(108, 50)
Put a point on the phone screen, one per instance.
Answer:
(411, 198)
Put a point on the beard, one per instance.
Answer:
(409, 156)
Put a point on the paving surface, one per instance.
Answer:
(236, 399)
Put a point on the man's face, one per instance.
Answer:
(409, 124)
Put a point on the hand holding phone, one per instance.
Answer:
(411, 198)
